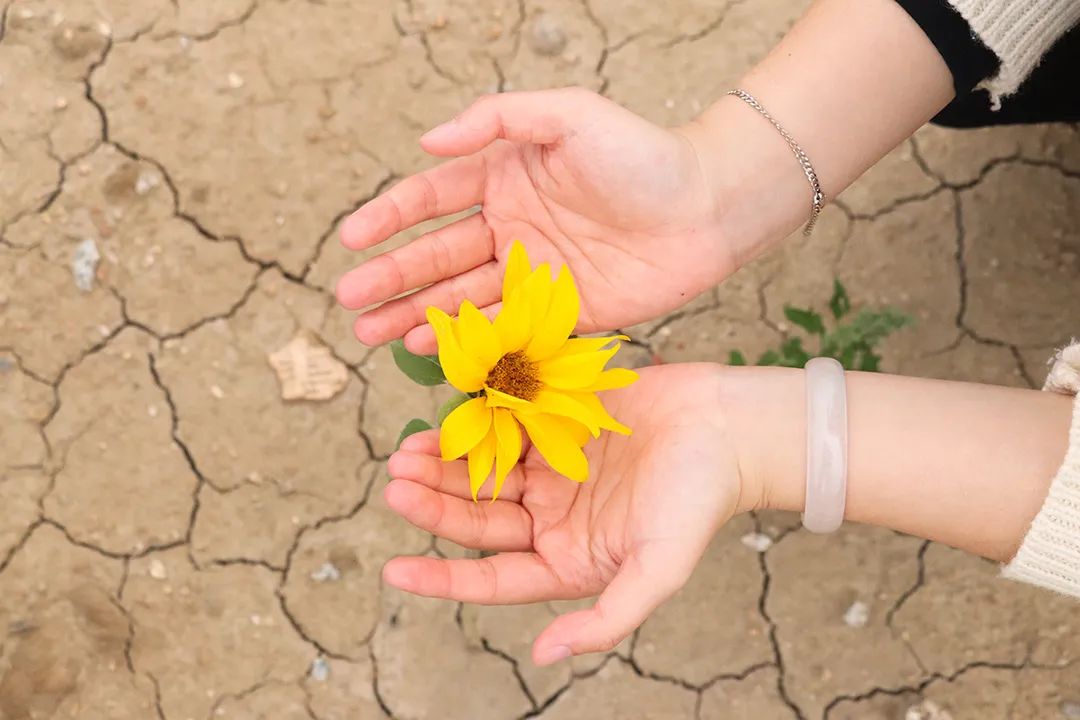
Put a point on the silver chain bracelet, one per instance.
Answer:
(800, 155)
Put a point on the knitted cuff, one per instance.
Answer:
(1050, 554)
(1019, 32)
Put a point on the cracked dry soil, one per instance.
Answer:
(177, 542)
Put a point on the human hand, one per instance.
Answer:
(580, 180)
(631, 533)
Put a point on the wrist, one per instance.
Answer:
(765, 418)
(760, 192)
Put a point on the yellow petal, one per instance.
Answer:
(574, 372)
(517, 269)
(464, 428)
(477, 336)
(481, 459)
(512, 324)
(557, 445)
(497, 399)
(507, 448)
(561, 318)
(563, 404)
(579, 432)
(613, 379)
(536, 294)
(575, 346)
(461, 370)
(598, 412)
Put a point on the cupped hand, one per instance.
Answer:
(632, 533)
(580, 180)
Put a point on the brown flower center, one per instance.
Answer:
(515, 375)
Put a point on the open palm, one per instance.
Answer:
(632, 533)
(580, 180)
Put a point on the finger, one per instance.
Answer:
(426, 442)
(437, 255)
(421, 339)
(426, 467)
(531, 117)
(503, 579)
(393, 319)
(636, 590)
(443, 190)
(499, 525)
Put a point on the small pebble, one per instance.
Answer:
(857, 615)
(26, 13)
(217, 392)
(926, 710)
(84, 264)
(279, 220)
(546, 36)
(326, 573)
(146, 182)
(1070, 709)
(157, 570)
(61, 103)
(758, 542)
(235, 81)
(152, 411)
(320, 669)
(104, 28)
(669, 103)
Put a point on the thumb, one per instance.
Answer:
(637, 589)
(538, 117)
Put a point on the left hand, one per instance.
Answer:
(632, 533)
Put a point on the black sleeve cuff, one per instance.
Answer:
(968, 59)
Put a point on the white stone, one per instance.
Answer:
(157, 570)
(326, 573)
(84, 264)
(759, 542)
(857, 615)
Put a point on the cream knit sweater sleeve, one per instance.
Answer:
(1050, 554)
(1019, 32)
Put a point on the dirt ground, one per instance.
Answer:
(177, 541)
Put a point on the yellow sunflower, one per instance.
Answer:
(524, 370)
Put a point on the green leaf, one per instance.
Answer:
(793, 354)
(808, 320)
(421, 369)
(736, 358)
(870, 361)
(847, 357)
(448, 407)
(869, 327)
(769, 357)
(840, 303)
(411, 428)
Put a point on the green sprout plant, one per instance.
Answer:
(853, 340)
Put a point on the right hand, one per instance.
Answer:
(580, 180)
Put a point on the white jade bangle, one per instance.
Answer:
(826, 445)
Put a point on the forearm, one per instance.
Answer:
(852, 80)
(963, 464)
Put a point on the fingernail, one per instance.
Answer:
(553, 655)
